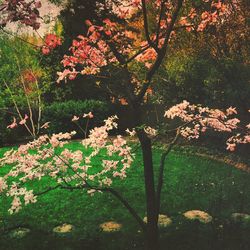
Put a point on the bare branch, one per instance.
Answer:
(17, 108)
(161, 170)
(19, 38)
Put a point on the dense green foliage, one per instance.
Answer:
(17, 58)
(201, 78)
(190, 183)
(59, 114)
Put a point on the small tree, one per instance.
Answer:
(22, 83)
(134, 41)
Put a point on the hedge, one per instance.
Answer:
(60, 114)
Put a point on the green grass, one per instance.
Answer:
(190, 183)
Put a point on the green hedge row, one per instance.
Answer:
(59, 114)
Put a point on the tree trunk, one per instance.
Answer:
(152, 238)
(152, 214)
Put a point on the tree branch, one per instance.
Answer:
(19, 38)
(161, 54)
(159, 21)
(110, 190)
(146, 28)
(48, 190)
(161, 170)
(17, 108)
(137, 54)
(127, 205)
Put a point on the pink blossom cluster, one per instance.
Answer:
(48, 156)
(147, 57)
(239, 138)
(23, 11)
(51, 41)
(21, 122)
(150, 131)
(96, 49)
(87, 115)
(218, 10)
(124, 9)
(90, 51)
(198, 119)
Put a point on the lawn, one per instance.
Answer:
(191, 182)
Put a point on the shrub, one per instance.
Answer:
(201, 78)
(8, 136)
(60, 114)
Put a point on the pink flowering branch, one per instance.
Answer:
(14, 123)
(34, 167)
(89, 116)
(114, 43)
(68, 167)
(198, 119)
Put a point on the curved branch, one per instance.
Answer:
(19, 38)
(110, 190)
(127, 205)
(161, 171)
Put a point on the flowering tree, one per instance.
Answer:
(137, 33)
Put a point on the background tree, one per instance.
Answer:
(210, 72)
(70, 24)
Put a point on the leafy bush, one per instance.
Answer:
(216, 83)
(8, 136)
(60, 114)
(3, 130)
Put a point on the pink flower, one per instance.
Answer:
(3, 184)
(50, 43)
(150, 131)
(88, 115)
(66, 73)
(231, 111)
(23, 121)
(131, 132)
(231, 146)
(75, 118)
(15, 205)
(45, 50)
(45, 125)
(13, 124)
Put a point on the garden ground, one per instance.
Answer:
(191, 182)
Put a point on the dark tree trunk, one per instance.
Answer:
(152, 213)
